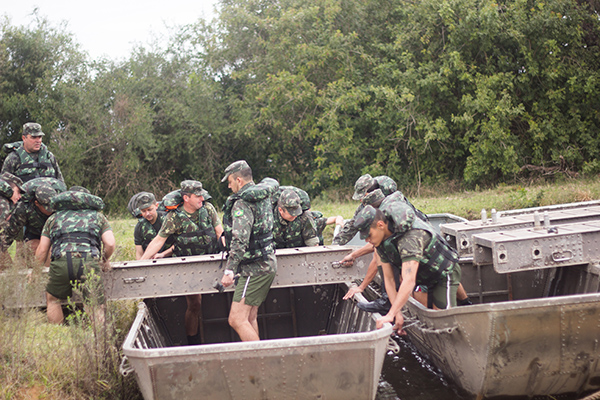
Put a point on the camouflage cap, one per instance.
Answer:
(43, 194)
(363, 221)
(145, 200)
(290, 200)
(10, 178)
(361, 186)
(79, 189)
(235, 167)
(374, 198)
(193, 187)
(33, 129)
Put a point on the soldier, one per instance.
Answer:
(194, 226)
(31, 158)
(407, 243)
(10, 193)
(150, 220)
(32, 211)
(80, 241)
(248, 221)
(292, 226)
(321, 223)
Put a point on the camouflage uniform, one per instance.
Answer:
(413, 240)
(320, 224)
(145, 231)
(26, 165)
(27, 214)
(378, 185)
(75, 231)
(6, 204)
(193, 234)
(248, 225)
(301, 231)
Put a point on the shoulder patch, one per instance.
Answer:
(238, 213)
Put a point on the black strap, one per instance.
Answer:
(79, 274)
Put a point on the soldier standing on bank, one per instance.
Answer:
(31, 158)
(10, 193)
(80, 241)
(194, 225)
(248, 221)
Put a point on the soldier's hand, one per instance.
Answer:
(227, 280)
(352, 291)
(348, 260)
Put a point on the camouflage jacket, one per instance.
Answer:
(144, 232)
(414, 239)
(248, 217)
(300, 232)
(76, 231)
(320, 224)
(193, 234)
(25, 214)
(28, 166)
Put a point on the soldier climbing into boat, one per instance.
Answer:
(293, 226)
(248, 221)
(406, 243)
(144, 207)
(194, 225)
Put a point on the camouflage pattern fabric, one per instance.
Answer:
(193, 234)
(71, 200)
(422, 246)
(25, 214)
(300, 232)
(320, 224)
(348, 231)
(251, 246)
(304, 197)
(6, 190)
(31, 186)
(76, 231)
(144, 232)
(28, 166)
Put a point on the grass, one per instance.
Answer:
(80, 361)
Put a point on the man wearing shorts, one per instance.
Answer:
(248, 224)
(80, 241)
(412, 246)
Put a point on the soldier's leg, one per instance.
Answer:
(192, 314)
(54, 310)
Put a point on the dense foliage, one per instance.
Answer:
(317, 92)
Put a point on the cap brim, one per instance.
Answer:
(364, 234)
(225, 177)
(294, 212)
(37, 134)
(357, 196)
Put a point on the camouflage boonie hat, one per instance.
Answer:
(79, 189)
(33, 129)
(290, 200)
(363, 221)
(43, 194)
(10, 178)
(373, 198)
(235, 167)
(145, 200)
(361, 186)
(193, 187)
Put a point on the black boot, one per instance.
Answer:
(381, 305)
(194, 339)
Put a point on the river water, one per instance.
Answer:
(409, 376)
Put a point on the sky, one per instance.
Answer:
(111, 28)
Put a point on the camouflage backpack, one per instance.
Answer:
(71, 200)
(132, 206)
(30, 187)
(171, 201)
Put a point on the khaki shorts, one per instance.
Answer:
(254, 289)
(444, 293)
(61, 281)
